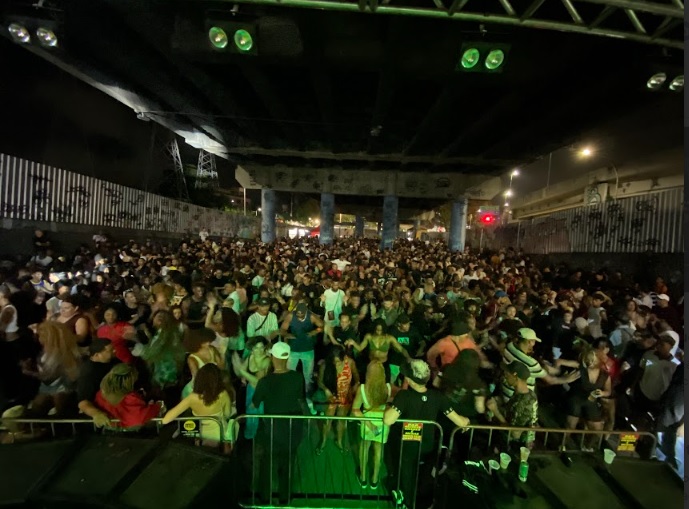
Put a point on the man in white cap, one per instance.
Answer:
(417, 402)
(521, 351)
(663, 311)
(282, 393)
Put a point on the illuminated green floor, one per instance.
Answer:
(333, 473)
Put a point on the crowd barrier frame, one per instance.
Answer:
(257, 503)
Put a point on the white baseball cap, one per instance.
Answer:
(663, 296)
(280, 350)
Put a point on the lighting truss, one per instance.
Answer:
(206, 172)
(657, 22)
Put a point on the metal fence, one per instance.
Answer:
(38, 192)
(282, 440)
(638, 224)
(489, 438)
(189, 427)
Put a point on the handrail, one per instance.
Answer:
(547, 432)
(74, 422)
(411, 503)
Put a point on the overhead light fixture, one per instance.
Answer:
(19, 33)
(515, 172)
(677, 84)
(243, 40)
(233, 36)
(586, 152)
(46, 37)
(482, 56)
(656, 81)
(495, 59)
(470, 58)
(508, 193)
(218, 37)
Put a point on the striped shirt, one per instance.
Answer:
(514, 354)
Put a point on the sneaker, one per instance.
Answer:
(398, 497)
(374, 485)
(363, 484)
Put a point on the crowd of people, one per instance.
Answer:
(124, 333)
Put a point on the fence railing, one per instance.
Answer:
(190, 427)
(287, 450)
(553, 439)
(285, 453)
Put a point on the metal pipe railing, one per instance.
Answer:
(270, 456)
(547, 432)
(89, 422)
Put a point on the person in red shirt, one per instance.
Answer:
(446, 350)
(119, 333)
(118, 399)
(611, 366)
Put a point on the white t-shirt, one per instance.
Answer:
(657, 375)
(341, 264)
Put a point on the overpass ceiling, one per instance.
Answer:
(360, 91)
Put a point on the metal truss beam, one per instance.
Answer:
(637, 11)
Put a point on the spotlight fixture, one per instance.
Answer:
(470, 58)
(218, 37)
(20, 34)
(46, 37)
(243, 40)
(495, 59)
(482, 56)
(656, 81)
(233, 36)
(677, 84)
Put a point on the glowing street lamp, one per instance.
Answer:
(586, 152)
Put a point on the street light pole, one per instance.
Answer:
(244, 188)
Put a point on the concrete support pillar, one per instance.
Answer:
(390, 226)
(359, 227)
(417, 225)
(267, 215)
(327, 218)
(458, 225)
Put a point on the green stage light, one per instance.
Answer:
(218, 37)
(495, 59)
(470, 58)
(243, 40)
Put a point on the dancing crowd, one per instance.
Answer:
(124, 333)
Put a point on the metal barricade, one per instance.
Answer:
(287, 444)
(551, 439)
(190, 427)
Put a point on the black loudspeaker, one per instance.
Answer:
(181, 476)
(93, 473)
(24, 466)
(113, 471)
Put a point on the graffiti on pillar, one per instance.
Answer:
(442, 183)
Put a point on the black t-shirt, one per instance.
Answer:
(409, 340)
(424, 406)
(90, 376)
(281, 394)
(342, 335)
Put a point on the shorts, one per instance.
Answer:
(580, 406)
